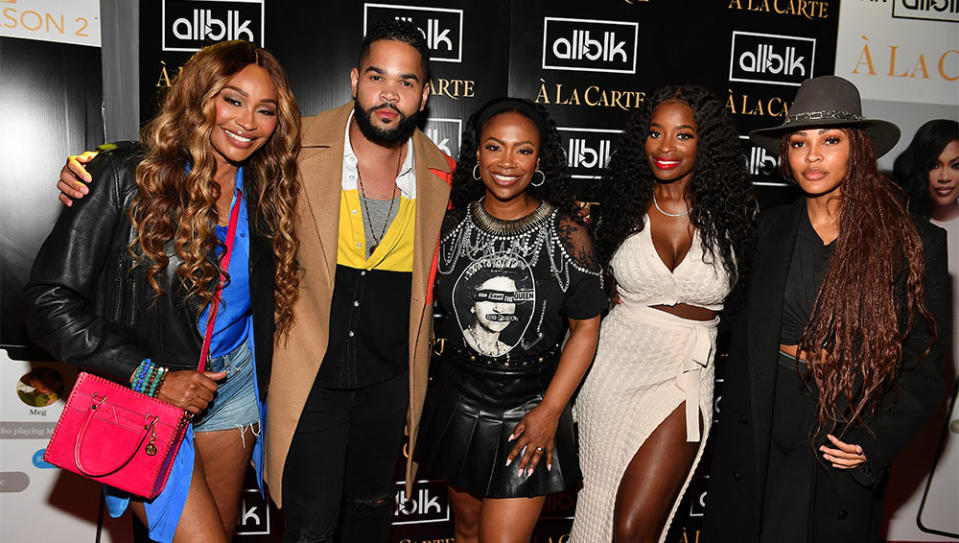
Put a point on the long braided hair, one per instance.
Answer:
(853, 341)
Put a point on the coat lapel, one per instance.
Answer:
(774, 253)
(321, 174)
(432, 197)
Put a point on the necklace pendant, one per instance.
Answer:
(373, 247)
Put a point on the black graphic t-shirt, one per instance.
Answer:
(506, 288)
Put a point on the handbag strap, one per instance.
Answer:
(145, 430)
(224, 265)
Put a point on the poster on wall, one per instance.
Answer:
(50, 103)
(903, 55)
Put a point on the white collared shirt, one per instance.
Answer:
(405, 180)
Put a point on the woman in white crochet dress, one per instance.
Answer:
(679, 210)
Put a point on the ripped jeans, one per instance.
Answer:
(234, 404)
(341, 463)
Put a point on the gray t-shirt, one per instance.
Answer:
(381, 215)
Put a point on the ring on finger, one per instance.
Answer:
(540, 449)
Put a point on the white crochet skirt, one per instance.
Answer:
(648, 362)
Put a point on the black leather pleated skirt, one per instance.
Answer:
(472, 405)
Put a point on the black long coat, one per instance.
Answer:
(846, 505)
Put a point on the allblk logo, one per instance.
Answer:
(427, 503)
(770, 58)
(697, 491)
(445, 133)
(930, 10)
(442, 28)
(587, 150)
(253, 517)
(589, 45)
(189, 25)
(761, 164)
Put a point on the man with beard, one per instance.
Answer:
(374, 192)
(353, 369)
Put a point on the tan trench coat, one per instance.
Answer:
(297, 360)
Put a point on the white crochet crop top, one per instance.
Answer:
(643, 279)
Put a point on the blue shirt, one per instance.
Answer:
(234, 319)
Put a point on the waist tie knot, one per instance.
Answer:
(699, 350)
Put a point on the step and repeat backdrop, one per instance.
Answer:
(590, 63)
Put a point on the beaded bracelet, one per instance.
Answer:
(141, 373)
(154, 381)
(149, 382)
(157, 377)
(146, 379)
(159, 381)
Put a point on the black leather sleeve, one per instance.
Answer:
(920, 387)
(72, 285)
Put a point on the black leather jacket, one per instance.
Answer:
(90, 306)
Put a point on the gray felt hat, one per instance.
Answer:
(824, 101)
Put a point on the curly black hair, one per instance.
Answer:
(720, 192)
(557, 189)
(396, 30)
(911, 168)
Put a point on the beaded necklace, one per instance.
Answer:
(480, 234)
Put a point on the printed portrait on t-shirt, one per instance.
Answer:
(493, 299)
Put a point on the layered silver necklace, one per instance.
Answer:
(480, 235)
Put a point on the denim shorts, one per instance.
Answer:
(235, 403)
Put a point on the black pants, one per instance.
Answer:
(344, 451)
(792, 459)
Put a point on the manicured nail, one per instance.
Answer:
(509, 461)
(529, 472)
(549, 467)
(510, 438)
(520, 472)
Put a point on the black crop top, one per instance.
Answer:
(806, 272)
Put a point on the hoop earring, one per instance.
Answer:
(540, 184)
(476, 175)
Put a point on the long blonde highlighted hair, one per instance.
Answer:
(174, 204)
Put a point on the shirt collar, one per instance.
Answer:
(237, 178)
(406, 169)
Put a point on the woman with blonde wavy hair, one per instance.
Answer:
(124, 283)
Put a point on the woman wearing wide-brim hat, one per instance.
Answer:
(836, 358)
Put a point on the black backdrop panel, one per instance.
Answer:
(172, 30)
(593, 65)
(590, 63)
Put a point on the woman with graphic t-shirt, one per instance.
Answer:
(516, 271)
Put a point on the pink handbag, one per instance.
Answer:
(116, 436)
(120, 437)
